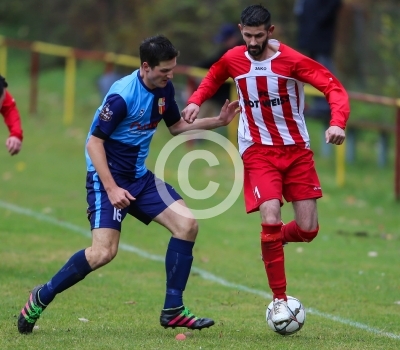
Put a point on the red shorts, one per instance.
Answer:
(273, 172)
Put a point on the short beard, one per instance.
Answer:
(260, 49)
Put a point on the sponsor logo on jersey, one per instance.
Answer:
(106, 113)
(267, 103)
(148, 126)
(260, 68)
(161, 105)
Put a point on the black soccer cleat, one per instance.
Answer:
(30, 313)
(182, 317)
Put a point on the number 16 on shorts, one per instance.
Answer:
(117, 215)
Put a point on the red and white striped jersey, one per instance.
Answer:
(271, 94)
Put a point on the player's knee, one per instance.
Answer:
(192, 228)
(187, 229)
(102, 257)
(308, 236)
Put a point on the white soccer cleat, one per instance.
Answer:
(280, 312)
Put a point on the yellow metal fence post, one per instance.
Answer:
(340, 164)
(69, 94)
(340, 150)
(3, 56)
(233, 125)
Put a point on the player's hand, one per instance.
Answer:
(228, 111)
(335, 135)
(13, 145)
(190, 112)
(120, 198)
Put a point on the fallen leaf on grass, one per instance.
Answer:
(47, 210)
(7, 176)
(21, 166)
(387, 236)
(350, 200)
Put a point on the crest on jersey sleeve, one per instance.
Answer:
(106, 113)
(161, 105)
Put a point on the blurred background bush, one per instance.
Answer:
(367, 47)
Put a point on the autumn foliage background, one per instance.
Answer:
(367, 47)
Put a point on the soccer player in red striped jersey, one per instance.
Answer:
(10, 113)
(273, 137)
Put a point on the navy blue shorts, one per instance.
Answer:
(146, 207)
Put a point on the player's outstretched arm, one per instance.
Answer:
(228, 112)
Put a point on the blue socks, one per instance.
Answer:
(178, 262)
(75, 270)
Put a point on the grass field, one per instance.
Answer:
(348, 278)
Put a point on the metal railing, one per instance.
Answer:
(71, 56)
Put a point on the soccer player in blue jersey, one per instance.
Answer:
(118, 183)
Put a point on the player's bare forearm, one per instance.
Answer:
(199, 124)
(119, 197)
(95, 148)
(228, 112)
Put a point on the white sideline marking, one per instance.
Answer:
(204, 274)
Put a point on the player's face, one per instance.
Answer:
(158, 76)
(256, 39)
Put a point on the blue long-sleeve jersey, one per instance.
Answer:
(127, 120)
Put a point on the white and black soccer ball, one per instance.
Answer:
(297, 317)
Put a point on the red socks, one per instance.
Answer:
(291, 232)
(272, 237)
(273, 257)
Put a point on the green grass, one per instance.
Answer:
(43, 221)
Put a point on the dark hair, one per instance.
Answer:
(3, 85)
(155, 49)
(255, 15)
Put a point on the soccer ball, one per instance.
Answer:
(297, 317)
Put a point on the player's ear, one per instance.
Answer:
(271, 29)
(145, 66)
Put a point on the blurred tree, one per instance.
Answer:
(367, 46)
(121, 25)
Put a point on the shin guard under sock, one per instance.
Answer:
(71, 273)
(274, 260)
(178, 262)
